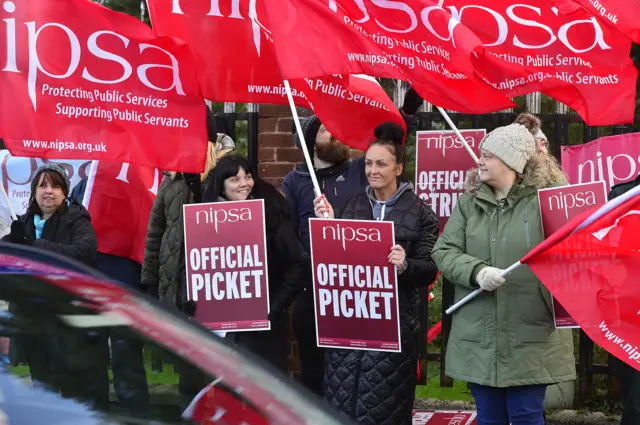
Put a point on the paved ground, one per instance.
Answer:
(563, 417)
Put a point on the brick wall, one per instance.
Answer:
(277, 155)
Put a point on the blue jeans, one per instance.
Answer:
(515, 405)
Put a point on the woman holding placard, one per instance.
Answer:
(374, 387)
(232, 180)
(504, 342)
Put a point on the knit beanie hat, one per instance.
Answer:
(310, 126)
(540, 135)
(56, 169)
(513, 144)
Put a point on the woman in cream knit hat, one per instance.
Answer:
(503, 342)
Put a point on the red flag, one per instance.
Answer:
(80, 81)
(418, 42)
(244, 67)
(620, 14)
(350, 106)
(215, 405)
(119, 198)
(570, 57)
(591, 266)
(434, 331)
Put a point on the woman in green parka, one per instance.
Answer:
(503, 342)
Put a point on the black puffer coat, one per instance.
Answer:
(374, 387)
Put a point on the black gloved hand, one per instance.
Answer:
(412, 102)
(276, 315)
(152, 291)
(19, 233)
(194, 184)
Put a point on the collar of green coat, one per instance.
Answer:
(487, 200)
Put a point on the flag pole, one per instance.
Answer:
(600, 212)
(478, 291)
(88, 190)
(457, 132)
(6, 198)
(303, 143)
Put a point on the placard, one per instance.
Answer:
(442, 164)
(226, 262)
(355, 286)
(443, 417)
(559, 205)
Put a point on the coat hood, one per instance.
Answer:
(380, 207)
(542, 171)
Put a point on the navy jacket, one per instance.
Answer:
(339, 183)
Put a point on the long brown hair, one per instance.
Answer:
(52, 178)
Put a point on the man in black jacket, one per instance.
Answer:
(629, 377)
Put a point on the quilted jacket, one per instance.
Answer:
(163, 259)
(374, 387)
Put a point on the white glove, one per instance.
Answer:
(489, 278)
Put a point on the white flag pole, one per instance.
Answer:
(606, 208)
(457, 132)
(6, 198)
(88, 190)
(478, 291)
(303, 143)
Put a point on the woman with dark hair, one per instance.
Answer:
(73, 362)
(53, 221)
(374, 387)
(233, 180)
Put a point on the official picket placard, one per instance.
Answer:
(355, 286)
(558, 206)
(226, 258)
(442, 164)
(443, 417)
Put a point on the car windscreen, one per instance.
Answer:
(71, 346)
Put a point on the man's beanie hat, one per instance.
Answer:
(513, 144)
(310, 126)
(56, 169)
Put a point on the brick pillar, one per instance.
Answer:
(277, 155)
